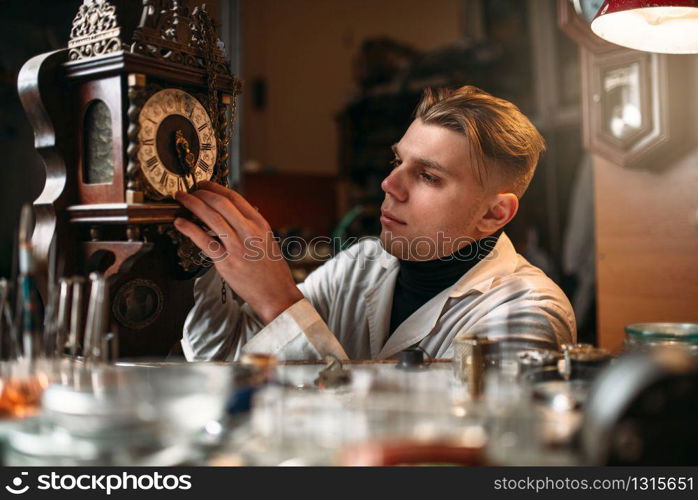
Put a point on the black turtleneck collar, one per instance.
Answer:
(417, 282)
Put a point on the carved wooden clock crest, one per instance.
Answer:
(131, 112)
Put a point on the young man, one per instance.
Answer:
(442, 266)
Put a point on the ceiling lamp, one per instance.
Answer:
(668, 26)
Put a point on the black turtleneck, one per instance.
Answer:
(417, 282)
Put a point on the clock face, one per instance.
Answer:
(177, 142)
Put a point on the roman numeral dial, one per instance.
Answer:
(177, 145)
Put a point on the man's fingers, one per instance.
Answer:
(225, 208)
(211, 247)
(235, 198)
(214, 220)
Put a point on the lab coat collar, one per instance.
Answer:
(417, 326)
(500, 262)
(379, 302)
(385, 259)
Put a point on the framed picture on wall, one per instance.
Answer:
(625, 102)
(625, 98)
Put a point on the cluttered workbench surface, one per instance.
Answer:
(494, 403)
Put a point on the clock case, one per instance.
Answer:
(83, 103)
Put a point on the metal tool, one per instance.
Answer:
(7, 339)
(50, 325)
(28, 295)
(333, 375)
(62, 326)
(76, 310)
(97, 320)
(469, 363)
(412, 358)
(584, 358)
(534, 360)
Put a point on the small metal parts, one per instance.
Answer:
(578, 359)
(410, 359)
(333, 375)
(469, 363)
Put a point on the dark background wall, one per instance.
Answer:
(26, 29)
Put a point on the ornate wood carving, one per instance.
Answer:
(225, 129)
(168, 32)
(95, 31)
(138, 303)
(136, 98)
(37, 86)
(120, 250)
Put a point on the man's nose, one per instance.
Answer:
(394, 185)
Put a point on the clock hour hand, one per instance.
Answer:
(186, 159)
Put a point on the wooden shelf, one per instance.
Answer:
(120, 213)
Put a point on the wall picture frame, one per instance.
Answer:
(625, 105)
(626, 102)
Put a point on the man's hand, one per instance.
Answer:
(244, 252)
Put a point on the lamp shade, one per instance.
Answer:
(669, 26)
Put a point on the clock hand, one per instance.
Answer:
(186, 159)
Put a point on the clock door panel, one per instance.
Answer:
(98, 156)
(96, 99)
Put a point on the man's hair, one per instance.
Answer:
(500, 135)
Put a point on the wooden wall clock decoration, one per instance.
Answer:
(132, 111)
(626, 101)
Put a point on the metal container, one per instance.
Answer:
(500, 354)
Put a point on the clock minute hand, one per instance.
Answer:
(186, 159)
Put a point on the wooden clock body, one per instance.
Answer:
(121, 125)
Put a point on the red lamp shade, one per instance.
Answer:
(668, 26)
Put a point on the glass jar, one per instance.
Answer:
(644, 336)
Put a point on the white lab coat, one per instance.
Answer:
(347, 305)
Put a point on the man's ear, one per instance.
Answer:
(500, 211)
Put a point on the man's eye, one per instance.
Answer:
(395, 162)
(428, 178)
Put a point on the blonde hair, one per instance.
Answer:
(499, 133)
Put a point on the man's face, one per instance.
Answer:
(432, 197)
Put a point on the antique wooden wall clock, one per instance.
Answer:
(136, 108)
